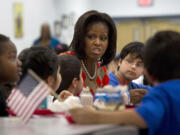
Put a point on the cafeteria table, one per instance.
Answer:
(59, 126)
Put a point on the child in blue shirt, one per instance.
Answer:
(159, 110)
(130, 67)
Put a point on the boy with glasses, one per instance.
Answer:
(131, 67)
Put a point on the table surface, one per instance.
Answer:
(58, 125)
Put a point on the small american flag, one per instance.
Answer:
(27, 96)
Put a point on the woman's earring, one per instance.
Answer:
(100, 60)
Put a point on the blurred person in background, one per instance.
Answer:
(46, 38)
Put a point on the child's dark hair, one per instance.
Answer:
(134, 48)
(23, 54)
(61, 48)
(3, 39)
(116, 58)
(161, 56)
(70, 67)
(78, 41)
(42, 60)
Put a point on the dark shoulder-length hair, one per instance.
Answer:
(78, 42)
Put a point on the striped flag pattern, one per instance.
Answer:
(28, 95)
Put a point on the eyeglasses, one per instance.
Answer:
(133, 62)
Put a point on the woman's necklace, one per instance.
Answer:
(88, 74)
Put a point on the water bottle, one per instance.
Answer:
(111, 98)
(125, 94)
(107, 98)
(86, 97)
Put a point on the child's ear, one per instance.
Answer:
(75, 82)
(120, 62)
(50, 81)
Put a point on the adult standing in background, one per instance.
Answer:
(94, 43)
(45, 38)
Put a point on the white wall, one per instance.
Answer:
(130, 8)
(38, 11)
(35, 12)
(67, 6)
(120, 8)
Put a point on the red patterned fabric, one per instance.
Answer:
(106, 80)
(104, 68)
(92, 92)
(98, 65)
(100, 81)
(83, 76)
(68, 52)
(123, 82)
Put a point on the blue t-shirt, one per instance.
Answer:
(53, 44)
(160, 109)
(114, 82)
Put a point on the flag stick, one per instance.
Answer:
(39, 79)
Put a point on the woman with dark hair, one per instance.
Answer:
(94, 43)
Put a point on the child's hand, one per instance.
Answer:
(136, 95)
(64, 95)
(84, 115)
